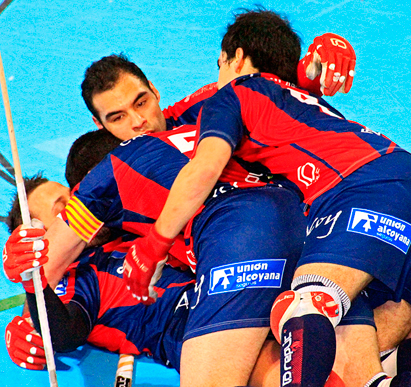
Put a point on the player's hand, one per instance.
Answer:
(25, 250)
(144, 263)
(332, 58)
(24, 344)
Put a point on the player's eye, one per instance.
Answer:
(141, 102)
(117, 118)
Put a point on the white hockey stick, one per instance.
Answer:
(124, 374)
(25, 215)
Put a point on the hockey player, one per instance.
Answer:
(340, 169)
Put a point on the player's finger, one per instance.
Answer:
(37, 245)
(335, 84)
(33, 339)
(145, 299)
(31, 358)
(350, 77)
(344, 73)
(16, 236)
(28, 361)
(27, 261)
(330, 70)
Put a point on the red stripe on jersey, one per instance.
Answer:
(140, 229)
(180, 107)
(239, 177)
(114, 293)
(112, 339)
(135, 199)
(118, 245)
(179, 285)
(391, 147)
(313, 167)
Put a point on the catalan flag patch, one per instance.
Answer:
(81, 220)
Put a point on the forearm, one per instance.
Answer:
(64, 248)
(187, 194)
(67, 323)
(192, 186)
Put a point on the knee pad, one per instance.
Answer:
(318, 296)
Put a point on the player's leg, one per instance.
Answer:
(266, 371)
(394, 323)
(393, 320)
(356, 344)
(221, 359)
(353, 237)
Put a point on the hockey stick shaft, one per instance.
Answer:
(124, 374)
(25, 215)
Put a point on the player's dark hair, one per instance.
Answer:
(103, 75)
(14, 219)
(86, 152)
(267, 39)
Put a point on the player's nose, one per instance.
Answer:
(137, 121)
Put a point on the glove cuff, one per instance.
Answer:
(313, 86)
(160, 243)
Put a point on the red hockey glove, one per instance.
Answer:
(24, 251)
(144, 263)
(24, 344)
(332, 58)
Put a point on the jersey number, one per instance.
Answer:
(184, 142)
(310, 100)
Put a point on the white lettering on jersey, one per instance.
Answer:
(184, 142)
(310, 100)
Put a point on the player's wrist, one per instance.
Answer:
(159, 242)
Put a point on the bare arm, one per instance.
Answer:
(192, 185)
(65, 246)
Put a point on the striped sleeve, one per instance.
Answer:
(80, 219)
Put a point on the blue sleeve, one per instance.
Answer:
(99, 192)
(221, 117)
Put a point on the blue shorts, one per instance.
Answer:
(365, 223)
(360, 313)
(247, 242)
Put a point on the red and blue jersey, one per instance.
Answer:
(281, 133)
(185, 112)
(117, 321)
(128, 189)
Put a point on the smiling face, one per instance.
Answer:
(47, 200)
(129, 109)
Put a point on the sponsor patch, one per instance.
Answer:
(61, 288)
(387, 228)
(265, 273)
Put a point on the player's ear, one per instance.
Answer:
(155, 91)
(239, 60)
(98, 123)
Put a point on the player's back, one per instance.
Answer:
(286, 131)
